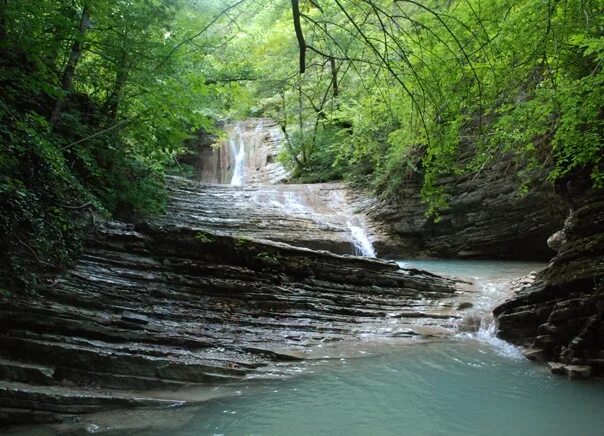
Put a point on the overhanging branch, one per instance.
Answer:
(299, 34)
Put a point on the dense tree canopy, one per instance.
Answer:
(392, 88)
(100, 97)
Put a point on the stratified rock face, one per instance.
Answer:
(560, 318)
(156, 306)
(324, 216)
(240, 190)
(210, 292)
(248, 154)
(486, 217)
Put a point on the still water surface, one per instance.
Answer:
(456, 388)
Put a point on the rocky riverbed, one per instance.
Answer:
(234, 282)
(223, 287)
(151, 306)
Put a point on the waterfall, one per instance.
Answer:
(490, 293)
(251, 149)
(360, 241)
(234, 141)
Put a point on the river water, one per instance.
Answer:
(461, 387)
(472, 384)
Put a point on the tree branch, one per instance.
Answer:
(198, 34)
(299, 35)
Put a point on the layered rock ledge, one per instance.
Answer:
(559, 318)
(486, 217)
(322, 216)
(153, 308)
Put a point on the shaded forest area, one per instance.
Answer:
(99, 98)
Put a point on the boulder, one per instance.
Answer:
(577, 372)
(556, 240)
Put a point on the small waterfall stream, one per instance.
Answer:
(237, 146)
(360, 241)
(491, 282)
(490, 293)
(247, 143)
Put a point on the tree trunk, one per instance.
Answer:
(299, 35)
(301, 121)
(112, 103)
(334, 78)
(72, 63)
(283, 126)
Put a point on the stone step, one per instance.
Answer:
(17, 371)
(162, 306)
(134, 361)
(68, 400)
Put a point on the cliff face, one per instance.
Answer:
(486, 216)
(214, 159)
(559, 318)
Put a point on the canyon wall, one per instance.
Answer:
(487, 217)
(559, 318)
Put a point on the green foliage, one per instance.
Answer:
(241, 242)
(204, 238)
(268, 258)
(98, 98)
(321, 145)
(439, 88)
(37, 231)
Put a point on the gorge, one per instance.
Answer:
(304, 217)
(232, 287)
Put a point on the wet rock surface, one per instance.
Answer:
(559, 317)
(211, 293)
(240, 188)
(324, 216)
(153, 308)
(215, 160)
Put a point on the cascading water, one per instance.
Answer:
(235, 141)
(360, 241)
(248, 151)
(491, 293)
(259, 127)
(491, 280)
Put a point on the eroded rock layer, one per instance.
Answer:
(250, 147)
(486, 217)
(560, 317)
(321, 216)
(155, 306)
